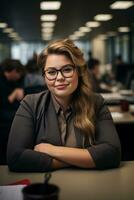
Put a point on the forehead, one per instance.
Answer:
(54, 60)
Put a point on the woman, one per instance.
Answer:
(67, 125)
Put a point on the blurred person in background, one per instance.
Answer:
(94, 68)
(11, 93)
(33, 82)
(33, 73)
(11, 87)
(120, 69)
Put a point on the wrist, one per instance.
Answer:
(50, 149)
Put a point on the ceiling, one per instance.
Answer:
(24, 17)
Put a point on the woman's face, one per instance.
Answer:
(61, 86)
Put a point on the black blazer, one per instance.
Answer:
(36, 122)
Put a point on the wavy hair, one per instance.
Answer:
(82, 97)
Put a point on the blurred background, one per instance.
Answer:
(104, 27)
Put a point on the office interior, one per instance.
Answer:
(104, 30)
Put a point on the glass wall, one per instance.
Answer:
(24, 51)
(4, 51)
(122, 44)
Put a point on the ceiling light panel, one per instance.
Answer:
(47, 30)
(93, 24)
(72, 37)
(48, 24)
(79, 34)
(84, 29)
(50, 5)
(48, 17)
(3, 25)
(122, 5)
(103, 17)
(8, 30)
(124, 29)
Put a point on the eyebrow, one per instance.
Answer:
(59, 67)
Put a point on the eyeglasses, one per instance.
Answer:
(67, 71)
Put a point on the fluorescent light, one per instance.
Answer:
(47, 37)
(8, 30)
(47, 30)
(124, 29)
(50, 5)
(121, 4)
(84, 29)
(103, 17)
(13, 34)
(48, 17)
(3, 25)
(79, 34)
(48, 24)
(92, 24)
(73, 37)
(17, 39)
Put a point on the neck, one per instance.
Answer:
(63, 101)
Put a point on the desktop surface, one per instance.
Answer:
(112, 184)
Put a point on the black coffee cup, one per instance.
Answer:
(40, 191)
(124, 105)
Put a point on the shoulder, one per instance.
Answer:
(98, 100)
(101, 108)
(37, 99)
(35, 96)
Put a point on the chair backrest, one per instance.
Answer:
(130, 77)
(4, 133)
(122, 72)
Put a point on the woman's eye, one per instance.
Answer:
(53, 72)
(67, 69)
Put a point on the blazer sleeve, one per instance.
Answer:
(106, 152)
(20, 154)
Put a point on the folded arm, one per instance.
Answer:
(72, 156)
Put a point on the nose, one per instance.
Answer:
(60, 76)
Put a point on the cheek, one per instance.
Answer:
(49, 83)
(75, 81)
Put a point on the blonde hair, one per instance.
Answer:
(82, 97)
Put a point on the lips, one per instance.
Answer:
(61, 86)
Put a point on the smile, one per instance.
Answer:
(61, 86)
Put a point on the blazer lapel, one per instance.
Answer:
(51, 125)
(79, 138)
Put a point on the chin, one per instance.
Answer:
(63, 93)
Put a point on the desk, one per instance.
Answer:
(75, 184)
(121, 117)
(124, 122)
(115, 97)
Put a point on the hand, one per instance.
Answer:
(17, 94)
(45, 148)
(12, 96)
